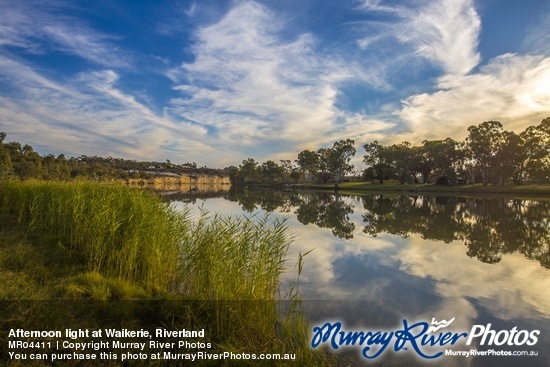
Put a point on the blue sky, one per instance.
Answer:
(216, 82)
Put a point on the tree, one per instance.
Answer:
(338, 158)
(536, 151)
(400, 156)
(441, 156)
(272, 173)
(248, 172)
(376, 159)
(6, 165)
(308, 161)
(484, 142)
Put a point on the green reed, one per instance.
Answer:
(124, 233)
(131, 234)
(110, 242)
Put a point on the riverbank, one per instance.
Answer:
(94, 255)
(534, 190)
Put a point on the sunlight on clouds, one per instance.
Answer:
(512, 89)
(259, 84)
(454, 279)
(446, 32)
(90, 115)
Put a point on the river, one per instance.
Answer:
(375, 262)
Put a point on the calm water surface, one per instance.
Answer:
(379, 259)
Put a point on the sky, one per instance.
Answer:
(215, 82)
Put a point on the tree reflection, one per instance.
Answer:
(489, 228)
(322, 209)
(327, 211)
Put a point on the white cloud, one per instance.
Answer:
(454, 275)
(512, 89)
(253, 86)
(90, 115)
(538, 37)
(78, 40)
(445, 32)
(35, 27)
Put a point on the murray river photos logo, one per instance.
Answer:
(426, 340)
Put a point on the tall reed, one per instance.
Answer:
(229, 266)
(234, 258)
(131, 234)
(124, 233)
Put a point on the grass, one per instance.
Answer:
(110, 243)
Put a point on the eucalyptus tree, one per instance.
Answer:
(338, 160)
(484, 142)
(441, 158)
(376, 160)
(308, 161)
(535, 151)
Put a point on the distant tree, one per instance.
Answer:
(376, 159)
(400, 157)
(442, 157)
(339, 158)
(291, 172)
(324, 169)
(308, 162)
(248, 172)
(272, 173)
(6, 165)
(483, 143)
(534, 160)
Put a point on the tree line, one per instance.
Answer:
(325, 164)
(22, 162)
(489, 154)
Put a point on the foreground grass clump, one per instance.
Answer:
(130, 234)
(127, 234)
(234, 258)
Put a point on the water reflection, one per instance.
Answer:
(379, 259)
(489, 227)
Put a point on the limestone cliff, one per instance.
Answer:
(184, 181)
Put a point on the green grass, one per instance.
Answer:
(109, 243)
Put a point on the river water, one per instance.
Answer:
(385, 262)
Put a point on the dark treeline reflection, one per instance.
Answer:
(489, 227)
(322, 209)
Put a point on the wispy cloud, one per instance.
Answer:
(253, 86)
(538, 37)
(35, 27)
(445, 32)
(511, 88)
(90, 115)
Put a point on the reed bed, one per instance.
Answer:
(127, 234)
(131, 234)
(110, 242)
(238, 258)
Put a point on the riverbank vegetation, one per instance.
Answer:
(100, 245)
(23, 162)
(488, 155)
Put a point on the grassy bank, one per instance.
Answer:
(539, 190)
(108, 243)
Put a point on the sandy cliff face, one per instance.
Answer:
(170, 182)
